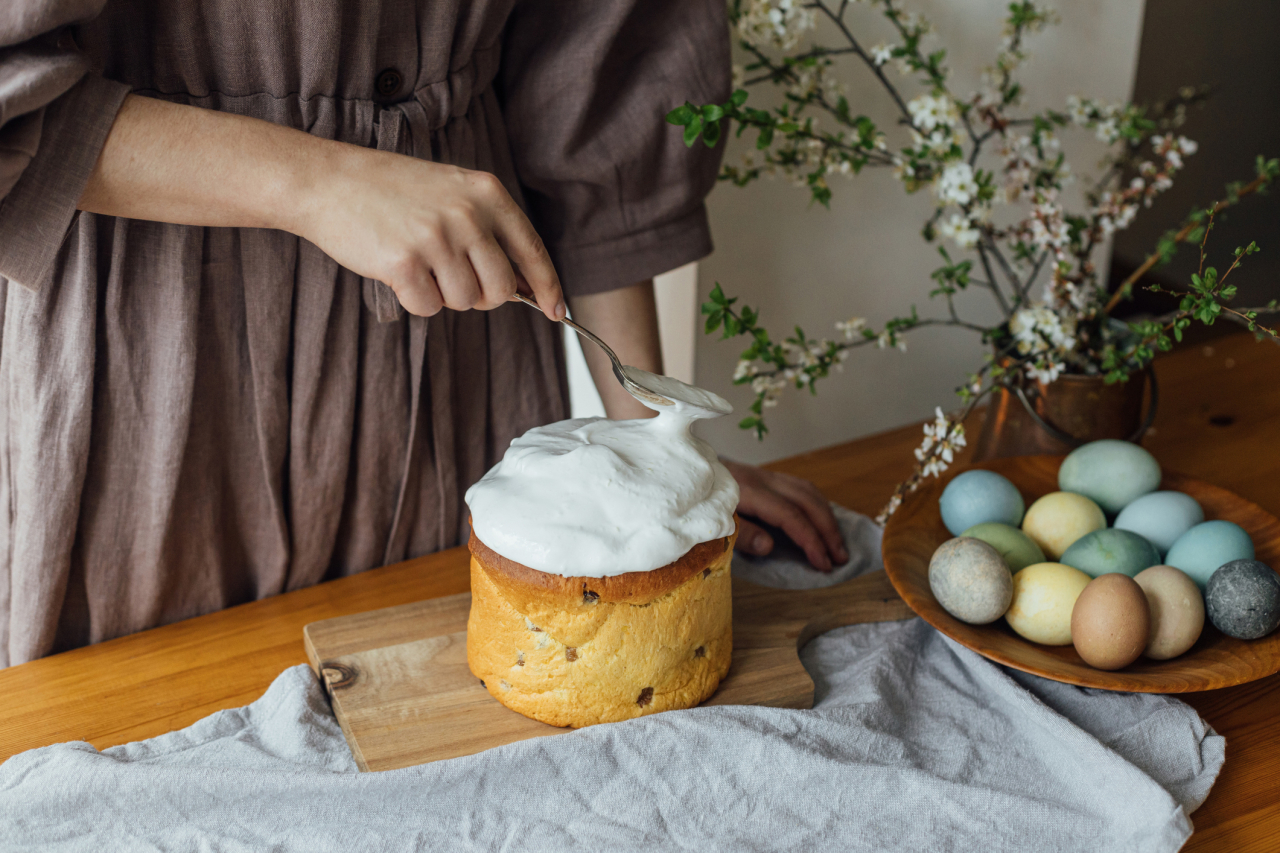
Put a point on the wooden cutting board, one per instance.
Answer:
(400, 687)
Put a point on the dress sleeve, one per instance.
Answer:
(55, 114)
(585, 86)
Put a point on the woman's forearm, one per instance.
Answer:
(627, 320)
(191, 166)
(440, 236)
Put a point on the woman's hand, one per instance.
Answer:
(792, 504)
(439, 236)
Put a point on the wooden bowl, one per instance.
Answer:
(1216, 660)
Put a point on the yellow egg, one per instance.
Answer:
(1058, 519)
(1043, 597)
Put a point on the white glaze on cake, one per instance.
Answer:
(595, 498)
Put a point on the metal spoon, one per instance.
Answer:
(635, 389)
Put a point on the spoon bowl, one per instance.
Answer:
(640, 383)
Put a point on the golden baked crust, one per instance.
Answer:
(579, 651)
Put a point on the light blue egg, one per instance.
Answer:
(1161, 517)
(1109, 551)
(1111, 473)
(976, 497)
(1202, 549)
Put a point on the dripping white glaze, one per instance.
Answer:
(595, 498)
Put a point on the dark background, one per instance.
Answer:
(1234, 47)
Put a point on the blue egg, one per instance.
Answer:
(1202, 549)
(977, 497)
(1108, 551)
(1109, 472)
(1161, 517)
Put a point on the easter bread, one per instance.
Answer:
(575, 651)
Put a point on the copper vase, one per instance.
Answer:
(1060, 416)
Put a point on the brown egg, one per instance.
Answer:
(1177, 611)
(1110, 622)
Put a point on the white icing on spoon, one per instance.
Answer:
(597, 498)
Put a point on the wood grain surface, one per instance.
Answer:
(1215, 661)
(1219, 421)
(400, 686)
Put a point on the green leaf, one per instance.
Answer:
(692, 131)
(712, 112)
(713, 320)
(681, 115)
(738, 98)
(749, 422)
(711, 134)
(765, 139)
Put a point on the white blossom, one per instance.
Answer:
(942, 439)
(776, 23)
(957, 184)
(851, 328)
(744, 369)
(1038, 328)
(961, 230)
(928, 112)
(881, 53)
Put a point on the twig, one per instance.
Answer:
(986, 265)
(1126, 286)
(838, 20)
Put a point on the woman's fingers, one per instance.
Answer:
(753, 539)
(493, 271)
(817, 508)
(415, 287)
(795, 506)
(759, 500)
(528, 254)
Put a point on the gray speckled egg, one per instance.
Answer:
(970, 580)
(1109, 472)
(1161, 517)
(1103, 552)
(1243, 599)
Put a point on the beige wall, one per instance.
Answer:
(806, 265)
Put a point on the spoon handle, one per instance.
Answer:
(589, 335)
(634, 388)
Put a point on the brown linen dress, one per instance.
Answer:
(196, 417)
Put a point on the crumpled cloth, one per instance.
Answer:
(914, 744)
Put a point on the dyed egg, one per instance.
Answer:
(1202, 549)
(1177, 611)
(1112, 473)
(1015, 547)
(1043, 597)
(1161, 517)
(979, 496)
(1110, 622)
(1243, 599)
(1109, 550)
(1057, 520)
(970, 580)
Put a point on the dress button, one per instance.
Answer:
(388, 82)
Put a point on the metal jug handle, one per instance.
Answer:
(1067, 438)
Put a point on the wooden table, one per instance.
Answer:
(1219, 421)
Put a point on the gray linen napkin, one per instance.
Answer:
(915, 744)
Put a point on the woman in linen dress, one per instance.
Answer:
(208, 394)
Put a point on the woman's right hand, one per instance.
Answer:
(439, 236)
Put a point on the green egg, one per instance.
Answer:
(1109, 472)
(1016, 547)
(1110, 550)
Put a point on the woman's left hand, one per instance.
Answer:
(792, 504)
